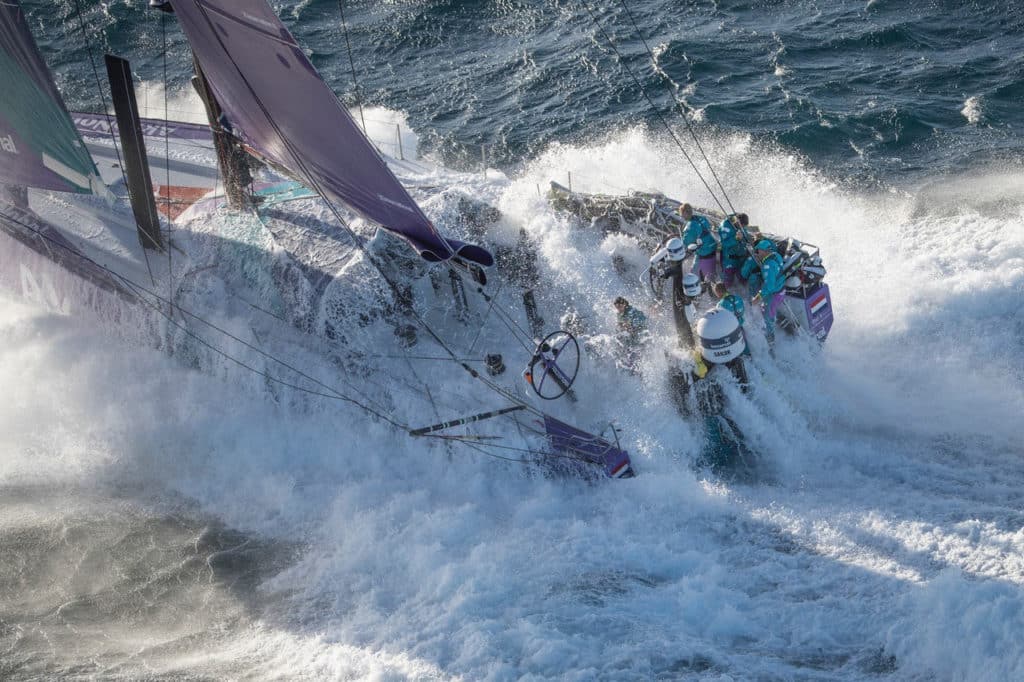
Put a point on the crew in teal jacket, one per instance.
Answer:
(730, 302)
(751, 273)
(733, 304)
(698, 228)
(632, 334)
(734, 251)
(773, 283)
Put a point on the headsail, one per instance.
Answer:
(39, 145)
(277, 103)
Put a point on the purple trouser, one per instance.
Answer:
(729, 275)
(771, 309)
(706, 266)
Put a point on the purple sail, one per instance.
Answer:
(277, 103)
(39, 146)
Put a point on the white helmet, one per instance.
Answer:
(793, 282)
(721, 337)
(676, 249)
(691, 285)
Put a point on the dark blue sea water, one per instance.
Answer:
(870, 91)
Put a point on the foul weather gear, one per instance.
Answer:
(772, 292)
(700, 229)
(733, 304)
(632, 325)
(734, 252)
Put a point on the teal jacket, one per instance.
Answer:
(633, 324)
(733, 251)
(772, 279)
(733, 304)
(700, 228)
(750, 266)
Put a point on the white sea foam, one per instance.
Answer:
(972, 110)
(888, 524)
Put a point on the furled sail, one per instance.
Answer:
(276, 102)
(39, 145)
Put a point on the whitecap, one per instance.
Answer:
(972, 110)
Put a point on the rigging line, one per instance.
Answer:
(137, 288)
(504, 317)
(505, 321)
(337, 214)
(679, 105)
(352, 64)
(113, 139)
(478, 448)
(134, 286)
(334, 392)
(460, 439)
(167, 164)
(519, 429)
(657, 113)
(349, 354)
(511, 318)
(430, 397)
(483, 323)
(491, 304)
(99, 87)
(357, 356)
(335, 395)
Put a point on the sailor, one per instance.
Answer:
(632, 322)
(734, 304)
(632, 334)
(696, 393)
(698, 232)
(773, 283)
(751, 270)
(730, 302)
(683, 380)
(685, 288)
(734, 249)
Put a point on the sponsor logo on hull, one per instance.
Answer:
(7, 144)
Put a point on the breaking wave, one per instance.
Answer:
(285, 542)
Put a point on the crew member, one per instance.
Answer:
(632, 334)
(734, 249)
(685, 288)
(698, 231)
(730, 302)
(773, 284)
(751, 270)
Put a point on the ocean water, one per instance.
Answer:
(149, 532)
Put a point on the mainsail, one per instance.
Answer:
(275, 101)
(39, 146)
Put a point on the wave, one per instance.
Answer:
(894, 456)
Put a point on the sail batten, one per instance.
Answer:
(39, 144)
(274, 100)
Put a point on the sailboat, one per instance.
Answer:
(82, 228)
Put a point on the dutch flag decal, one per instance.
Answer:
(819, 302)
(620, 469)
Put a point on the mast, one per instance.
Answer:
(232, 159)
(136, 166)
